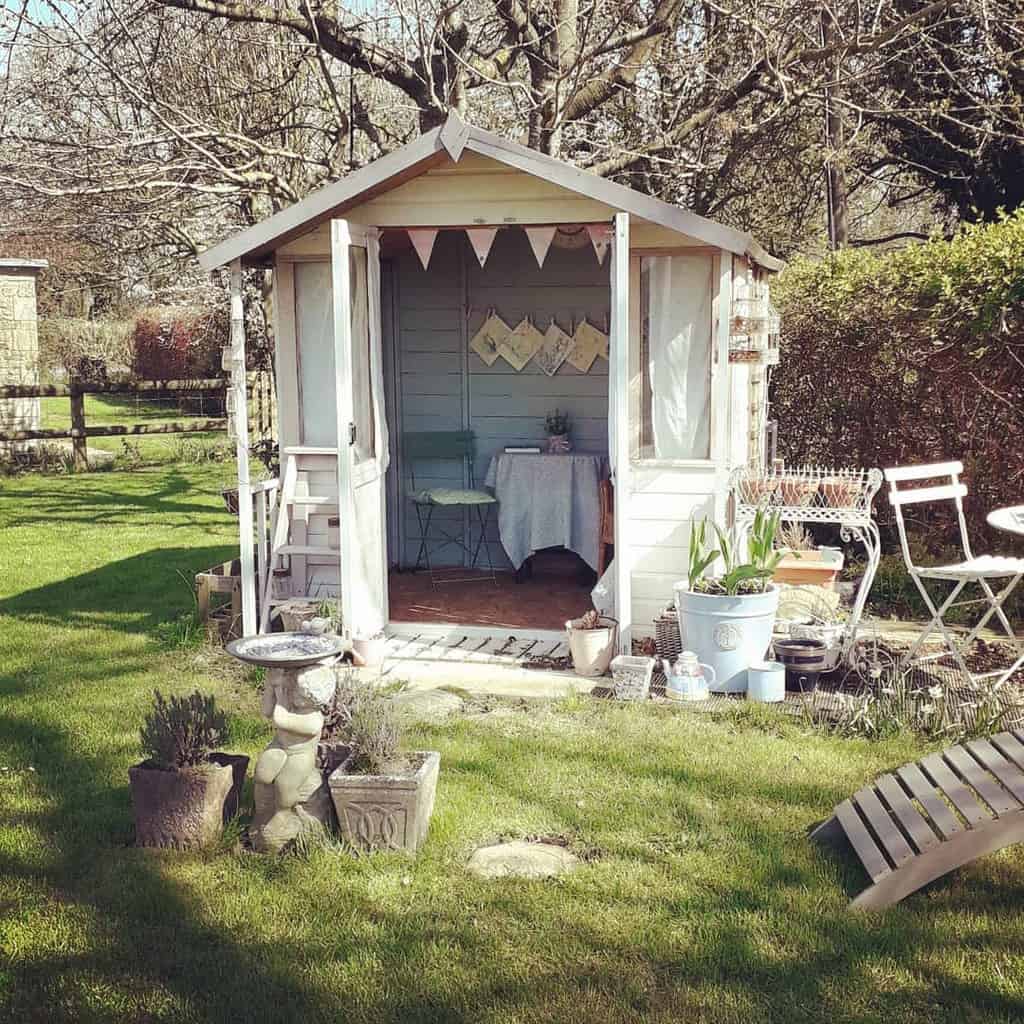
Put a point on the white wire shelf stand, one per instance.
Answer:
(818, 494)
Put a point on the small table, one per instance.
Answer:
(547, 501)
(1009, 519)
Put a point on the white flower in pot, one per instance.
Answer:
(727, 620)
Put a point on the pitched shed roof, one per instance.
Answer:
(450, 141)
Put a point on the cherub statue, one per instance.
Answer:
(289, 787)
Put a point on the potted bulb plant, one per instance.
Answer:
(383, 797)
(802, 563)
(727, 620)
(185, 790)
(556, 426)
(592, 643)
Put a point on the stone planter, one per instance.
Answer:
(186, 809)
(386, 812)
(727, 633)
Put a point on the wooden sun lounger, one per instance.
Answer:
(912, 826)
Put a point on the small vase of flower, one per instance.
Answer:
(556, 425)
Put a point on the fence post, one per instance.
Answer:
(80, 451)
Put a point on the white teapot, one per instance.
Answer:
(688, 678)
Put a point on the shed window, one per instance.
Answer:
(675, 352)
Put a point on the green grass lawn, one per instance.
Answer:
(115, 410)
(701, 898)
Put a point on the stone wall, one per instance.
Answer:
(19, 342)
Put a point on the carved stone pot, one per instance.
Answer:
(186, 809)
(387, 812)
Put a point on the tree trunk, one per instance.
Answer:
(835, 175)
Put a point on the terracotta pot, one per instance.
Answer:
(798, 493)
(759, 491)
(592, 650)
(186, 809)
(840, 492)
(386, 812)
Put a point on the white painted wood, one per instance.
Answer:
(241, 420)
(720, 385)
(286, 354)
(924, 472)
(342, 196)
(945, 492)
(360, 480)
(619, 439)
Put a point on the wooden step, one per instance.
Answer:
(306, 549)
(318, 500)
(302, 449)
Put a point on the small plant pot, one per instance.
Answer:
(186, 809)
(805, 660)
(559, 444)
(592, 650)
(370, 650)
(759, 491)
(631, 677)
(831, 634)
(798, 493)
(386, 812)
(840, 492)
(766, 682)
(334, 532)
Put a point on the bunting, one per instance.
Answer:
(600, 238)
(423, 242)
(481, 239)
(540, 241)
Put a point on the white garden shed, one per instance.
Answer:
(382, 283)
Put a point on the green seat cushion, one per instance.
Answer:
(452, 496)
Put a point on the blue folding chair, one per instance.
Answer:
(454, 445)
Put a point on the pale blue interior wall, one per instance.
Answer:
(439, 384)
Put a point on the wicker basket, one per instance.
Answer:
(667, 641)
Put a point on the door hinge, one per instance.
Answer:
(351, 433)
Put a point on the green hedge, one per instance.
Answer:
(911, 356)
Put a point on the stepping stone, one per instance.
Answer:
(522, 860)
(428, 705)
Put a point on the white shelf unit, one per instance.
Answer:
(817, 494)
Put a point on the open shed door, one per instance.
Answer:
(361, 426)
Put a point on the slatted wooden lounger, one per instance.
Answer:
(911, 827)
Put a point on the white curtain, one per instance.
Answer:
(678, 292)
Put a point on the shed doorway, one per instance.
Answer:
(438, 381)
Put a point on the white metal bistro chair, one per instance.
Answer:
(974, 569)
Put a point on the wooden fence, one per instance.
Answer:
(260, 393)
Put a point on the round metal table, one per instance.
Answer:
(1009, 519)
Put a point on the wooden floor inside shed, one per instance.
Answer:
(556, 592)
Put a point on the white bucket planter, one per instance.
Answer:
(728, 633)
(592, 650)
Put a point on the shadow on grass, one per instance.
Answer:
(129, 595)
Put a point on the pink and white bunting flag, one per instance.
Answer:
(423, 242)
(600, 238)
(540, 241)
(481, 239)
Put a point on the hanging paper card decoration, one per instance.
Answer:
(540, 241)
(557, 346)
(519, 347)
(481, 239)
(423, 242)
(488, 340)
(587, 343)
(602, 346)
(600, 238)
